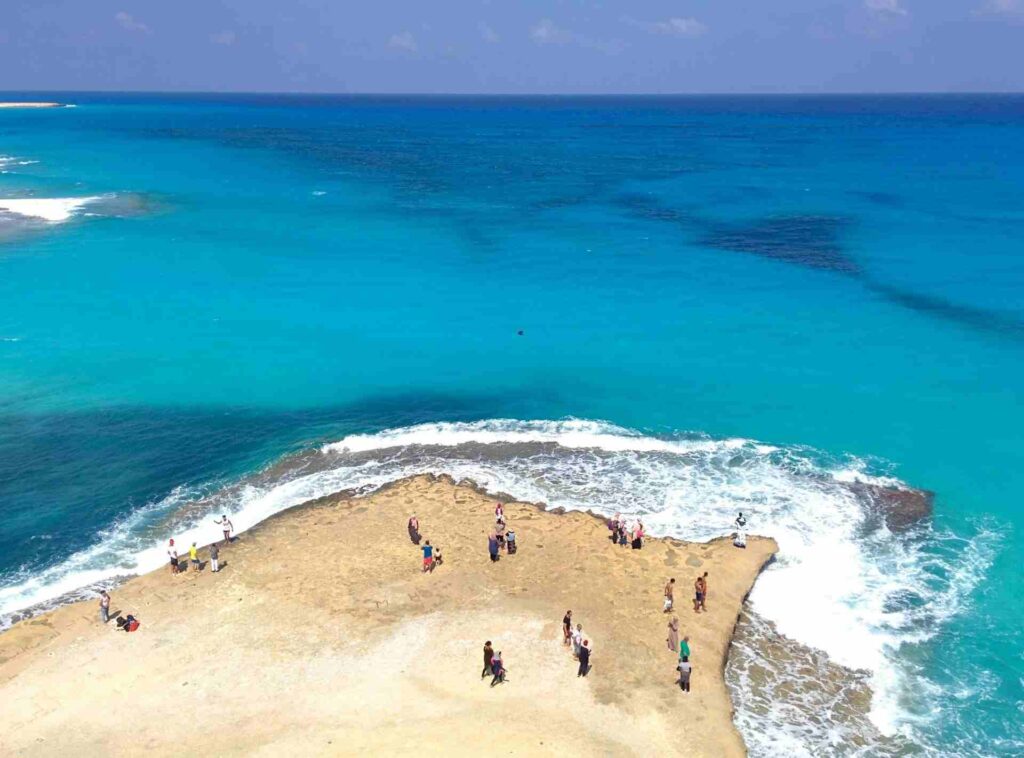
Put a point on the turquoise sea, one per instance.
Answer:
(674, 306)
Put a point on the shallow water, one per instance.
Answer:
(777, 294)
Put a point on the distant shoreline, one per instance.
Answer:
(31, 105)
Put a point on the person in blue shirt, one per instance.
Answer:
(428, 556)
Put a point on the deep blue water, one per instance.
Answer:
(265, 274)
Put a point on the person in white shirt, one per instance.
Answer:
(227, 526)
(172, 553)
(740, 537)
(577, 640)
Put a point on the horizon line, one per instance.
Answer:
(336, 93)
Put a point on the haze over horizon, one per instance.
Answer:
(534, 47)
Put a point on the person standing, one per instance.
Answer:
(104, 606)
(414, 529)
(673, 634)
(567, 628)
(497, 669)
(740, 536)
(577, 640)
(172, 553)
(214, 558)
(193, 556)
(227, 527)
(698, 594)
(704, 591)
(584, 658)
(685, 669)
(684, 648)
(488, 657)
(428, 556)
(669, 588)
(492, 546)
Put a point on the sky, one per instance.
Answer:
(513, 46)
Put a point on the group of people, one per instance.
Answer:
(682, 649)
(501, 538)
(193, 551)
(432, 557)
(494, 665)
(624, 533)
(581, 647)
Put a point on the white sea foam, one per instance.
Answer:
(841, 584)
(9, 160)
(50, 209)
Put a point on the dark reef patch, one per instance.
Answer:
(899, 508)
(886, 199)
(981, 319)
(811, 241)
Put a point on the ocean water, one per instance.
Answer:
(235, 303)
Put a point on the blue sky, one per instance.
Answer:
(528, 46)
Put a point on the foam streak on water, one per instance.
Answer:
(842, 584)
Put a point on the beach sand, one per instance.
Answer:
(321, 635)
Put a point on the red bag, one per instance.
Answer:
(133, 626)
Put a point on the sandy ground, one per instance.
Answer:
(321, 635)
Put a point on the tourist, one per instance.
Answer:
(623, 541)
(104, 606)
(428, 557)
(227, 527)
(510, 542)
(577, 640)
(414, 529)
(638, 535)
(669, 588)
(499, 514)
(492, 546)
(684, 648)
(499, 533)
(193, 557)
(673, 635)
(704, 591)
(567, 628)
(584, 658)
(214, 558)
(698, 590)
(172, 552)
(438, 559)
(740, 536)
(488, 657)
(685, 669)
(497, 669)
